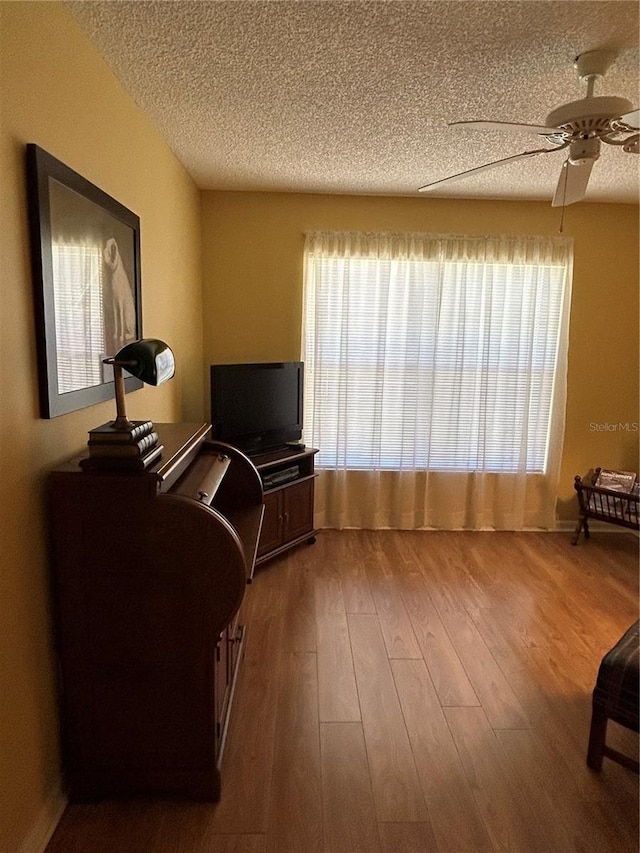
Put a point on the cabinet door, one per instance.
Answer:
(271, 535)
(222, 680)
(298, 509)
(236, 634)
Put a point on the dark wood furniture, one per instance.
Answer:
(150, 570)
(615, 697)
(287, 478)
(603, 504)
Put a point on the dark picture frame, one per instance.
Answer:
(85, 252)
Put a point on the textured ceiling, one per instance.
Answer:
(354, 97)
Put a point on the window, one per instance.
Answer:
(433, 353)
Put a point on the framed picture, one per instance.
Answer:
(85, 249)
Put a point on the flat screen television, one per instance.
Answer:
(257, 407)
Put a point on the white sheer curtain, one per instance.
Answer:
(435, 378)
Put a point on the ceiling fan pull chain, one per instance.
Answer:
(561, 229)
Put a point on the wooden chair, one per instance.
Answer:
(615, 697)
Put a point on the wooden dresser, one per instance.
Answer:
(150, 570)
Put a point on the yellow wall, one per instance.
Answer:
(252, 253)
(57, 92)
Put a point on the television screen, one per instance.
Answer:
(257, 407)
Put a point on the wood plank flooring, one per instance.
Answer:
(405, 692)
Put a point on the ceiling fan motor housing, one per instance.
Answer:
(589, 115)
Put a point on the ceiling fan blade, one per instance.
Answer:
(541, 129)
(572, 183)
(632, 119)
(494, 164)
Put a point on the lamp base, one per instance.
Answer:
(134, 448)
(111, 461)
(109, 432)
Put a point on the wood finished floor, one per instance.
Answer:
(410, 692)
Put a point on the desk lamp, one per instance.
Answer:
(124, 444)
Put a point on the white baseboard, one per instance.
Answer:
(46, 822)
(595, 527)
(560, 527)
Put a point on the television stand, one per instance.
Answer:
(288, 476)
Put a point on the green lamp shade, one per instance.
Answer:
(148, 359)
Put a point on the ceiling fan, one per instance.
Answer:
(579, 126)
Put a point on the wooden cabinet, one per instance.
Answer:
(288, 481)
(150, 570)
